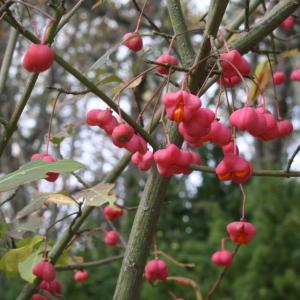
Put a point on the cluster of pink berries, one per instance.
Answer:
(123, 136)
(173, 160)
(170, 160)
(234, 66)
(46, 272)
(112, 212)
(240, 233)
(260, 123)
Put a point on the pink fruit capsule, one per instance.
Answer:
(38, 58)
(295, 75)
(44, 270)
(133, 41)
(81, 275)
(122, 133)
(235, 168)
(111, 238)
(112, 212)
(142, 161)
(165, 59)
(288, 23)
(222, 258)
(241, 232)
(279, 77)
(156, 269)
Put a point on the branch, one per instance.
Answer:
(12, 124)
(145, 16)
(183, 41)
(146, 217)
(141, 235)
(68, 235)
(220, 277)
(240, 18)
(290, 161)
(69, 15)
(91, 264)
(89, 84)
(215, 15)
(266, 25)
(7, 58)
(257, 172)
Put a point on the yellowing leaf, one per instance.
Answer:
(99, 194)
(75, 260)
(134, 83)
(10, 261)
(233, 38)
(97, 4)
(25, 267)
(262, 78)
(290, 53)
(60, 199)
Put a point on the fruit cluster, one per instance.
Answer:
(123, 136)
(260, 123)
(46, 272)
(113, 212)
(234, 67)
(240, 233)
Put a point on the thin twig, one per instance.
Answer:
(91, 264)
(145, 16)
(256, 172)
(68, 92)
(290, 161)
(247, 13)
(220, 277)
(69, 15)
(10, 197)
(174, 261)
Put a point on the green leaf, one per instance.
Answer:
(104, 58)
(137, 63)
(25, 267)
(41, 199)
(99, 194)
(59, 137)
(30, 224)
(35, 170)
(34, 205)
(10, 261)
(109, 79)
